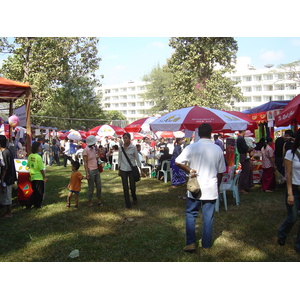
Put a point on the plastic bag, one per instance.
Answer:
(279, 178)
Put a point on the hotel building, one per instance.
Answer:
(257, 85)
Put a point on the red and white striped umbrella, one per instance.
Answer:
(136, 136)
(106, 130)
(191, 117)
(74, 135)
(140, 125)
(170, 134)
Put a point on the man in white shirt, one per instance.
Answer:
(206, 161)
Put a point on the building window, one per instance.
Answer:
(124, 97)
(123, 89)
(131, 112)
(248, 89)
(279, 98)
(123, 104)
(248, 78)
(115, 98)
(132, 89)
(258, 88)
(131, 104)
(279, 87)
(141, 88)
(107, 91)
(291, 86)
(236, 79)
(257, 99)
(268, 76)
(257, 78)
(115, 90)
(268, 87)
(131, 96)
(280, 76)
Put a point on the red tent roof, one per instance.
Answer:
(9, 89)
(290, 114)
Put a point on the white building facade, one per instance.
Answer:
(257, 85)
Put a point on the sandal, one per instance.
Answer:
(68, 205)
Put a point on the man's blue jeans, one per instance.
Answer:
(192, 211)
(291, 219)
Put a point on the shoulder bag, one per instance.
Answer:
(194, 187)
(135, 170)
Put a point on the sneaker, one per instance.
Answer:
(190, 248)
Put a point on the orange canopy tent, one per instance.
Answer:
(9, 92)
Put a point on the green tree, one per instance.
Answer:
(69, 103)
(198, 65)
(114, 115)
(293, 72)
(52, 66)
(158, 89)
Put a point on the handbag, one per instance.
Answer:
(100, 167)
(135, 170)
(194, 187)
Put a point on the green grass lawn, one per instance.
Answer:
(153, 231)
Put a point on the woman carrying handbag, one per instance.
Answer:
(128, 158)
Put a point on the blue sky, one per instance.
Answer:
(130, 58)
(125, 59)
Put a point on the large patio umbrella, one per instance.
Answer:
(252, 125)
(170, 134)
(290, 114)
(74, 135)
(191, 117)
(106, 130)
(136, 136)
(140, 125)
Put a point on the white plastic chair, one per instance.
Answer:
(146, 167)
(233, 186)
(227, 180)
(167, 170)
(115, 157)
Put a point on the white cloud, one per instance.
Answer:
(296, 42)
(272, 56)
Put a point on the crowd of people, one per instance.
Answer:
(204, 159)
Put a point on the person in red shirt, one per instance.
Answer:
(75, 184)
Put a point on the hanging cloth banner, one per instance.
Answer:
(20, 112)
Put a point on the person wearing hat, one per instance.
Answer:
(90, 158)
(250, 141)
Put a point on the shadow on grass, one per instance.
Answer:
(153, 231)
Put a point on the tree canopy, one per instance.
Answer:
(158, 89)
(61, 72)
(198, 66)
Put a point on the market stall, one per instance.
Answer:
(10, 91)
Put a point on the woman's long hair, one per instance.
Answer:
(268, 140)
(297, 142)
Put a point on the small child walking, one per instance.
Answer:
(75, 184)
